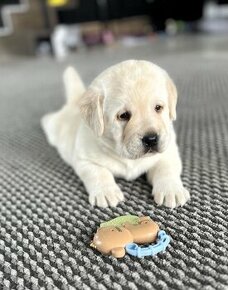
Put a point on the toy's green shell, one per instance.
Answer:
(119, 221)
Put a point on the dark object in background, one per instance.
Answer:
(84, 11)
(161, 10)
(158, 11)
(222, 2)
(101, 10)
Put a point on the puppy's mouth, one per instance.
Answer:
(150, 152)
(160, 148)
(144, 154)
(157, 149)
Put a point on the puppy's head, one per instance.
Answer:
(131, 106)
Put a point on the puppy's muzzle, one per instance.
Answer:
(150, 142)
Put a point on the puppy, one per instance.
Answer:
(120, 126)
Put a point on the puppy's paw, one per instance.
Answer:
(170, 192)
(108, 196)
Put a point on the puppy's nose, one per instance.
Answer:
(150, 141)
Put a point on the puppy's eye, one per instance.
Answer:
(124, 116)
(158, 108)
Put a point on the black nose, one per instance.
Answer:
(150, 141)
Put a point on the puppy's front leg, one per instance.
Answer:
(167, 185)
(100, 184)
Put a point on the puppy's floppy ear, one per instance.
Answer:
(172, 97)
(90, 106)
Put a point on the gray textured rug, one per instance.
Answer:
(46, 221)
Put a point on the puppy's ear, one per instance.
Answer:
(90, 106)
(172, 98)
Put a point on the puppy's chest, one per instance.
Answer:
(131, 169)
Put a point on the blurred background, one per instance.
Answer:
(58, 28)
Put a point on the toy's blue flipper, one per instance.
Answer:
(162, 242)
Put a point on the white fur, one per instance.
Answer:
(97, 159)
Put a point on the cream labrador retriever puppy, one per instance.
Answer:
(120, 126)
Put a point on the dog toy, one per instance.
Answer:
(126, 234)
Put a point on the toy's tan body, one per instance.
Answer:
(112, 240)
(145, 232)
